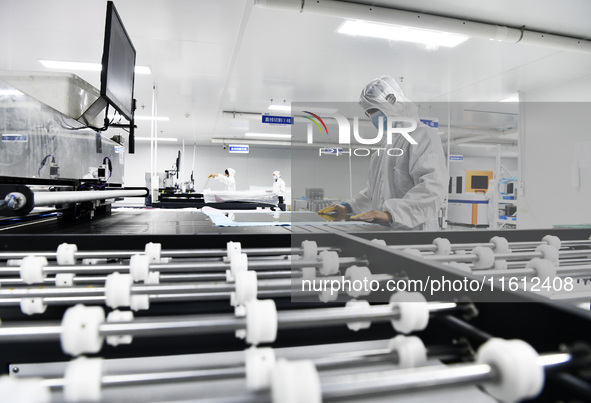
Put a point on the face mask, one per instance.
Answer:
(375, 119)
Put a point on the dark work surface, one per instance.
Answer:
(166, 222)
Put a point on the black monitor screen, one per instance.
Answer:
(118, 64)
(479, 182)
(510, 188)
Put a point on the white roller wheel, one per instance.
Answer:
(443, 246)
(261, 321)
(139, 266)
(66, 254)
(238, 263)
(379, 242)
(327, 294)
(118, 290)
(330, 263)
(544, 268)
(411, 351)
(119, 316)
(310, 250)
(80, 330)
(153, 252)
(552, 241)
(153, 278)
(549, 252)
(32, 269)
(64, 279)
(259, 363)
(246, 288)
(501, 244)
(82, 380)
(358, 275)
(520, 375)
(357, 305)
(295, 382)
(31, 306)
(486, 257)
(413, 311)
(139, 302)
(500, 264)
(460, 266)
(308, 273)
(414, 252)
(24, 390)
(233, 248)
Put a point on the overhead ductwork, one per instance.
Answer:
(394, 16)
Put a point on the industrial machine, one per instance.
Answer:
(282, 318)
(468, 204)
(55, 151)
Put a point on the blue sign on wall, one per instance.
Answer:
(456, 157)
(278, 120)
(240, 149)
(15, 137)
(431, 122)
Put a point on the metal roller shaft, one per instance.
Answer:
(512, 245)
(164, 278)
(174, 253)
(468, 258)
(186, 267)
(53, 198)
(339, 387)
(218, 323)
(172, 288)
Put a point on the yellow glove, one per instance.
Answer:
(336, 212)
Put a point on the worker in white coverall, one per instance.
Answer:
(278, 184)
(227, 178)
(405, 191)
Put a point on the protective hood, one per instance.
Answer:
(385, 94)
(231, 172)
(277, 174)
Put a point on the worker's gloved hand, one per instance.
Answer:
(376, 216)
(212, 176)
(336, 212)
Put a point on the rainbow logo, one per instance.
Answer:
(315, 122)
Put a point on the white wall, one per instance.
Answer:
(457, 168)
(554, 130)
(330, 172)
(300, 168)
(255, 168)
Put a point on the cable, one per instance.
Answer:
(106, 160)
(43, 162)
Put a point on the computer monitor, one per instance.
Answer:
(479, 182)
(117, 73)
(118, 64)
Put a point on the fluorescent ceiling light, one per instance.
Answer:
(10, 92)
(268, 135)
(143, 70)
(158, 118)
(284, 108)
(476, 145)
(60, 65)
(401, 33)
(158, 139)
(514, 98)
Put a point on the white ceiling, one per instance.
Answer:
(228, 55)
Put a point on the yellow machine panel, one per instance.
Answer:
(477, 181)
